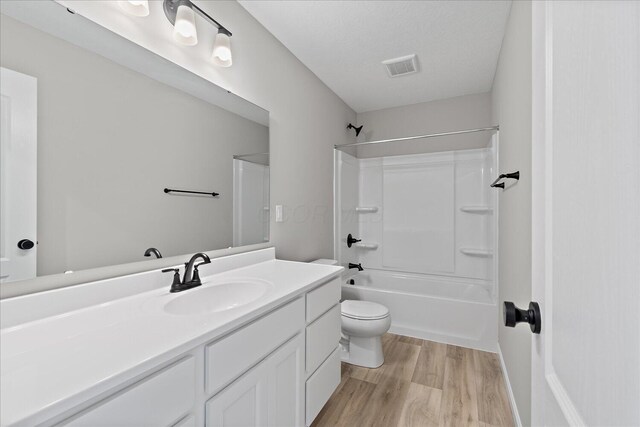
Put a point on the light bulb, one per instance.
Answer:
(184, 30)
(222, 50)
(135, 7)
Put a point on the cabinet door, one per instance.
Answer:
(243, 402)
(269, 394)
(286, 384)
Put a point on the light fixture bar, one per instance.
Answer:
(213, 21)
(171, 9)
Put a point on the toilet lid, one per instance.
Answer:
(363, 310)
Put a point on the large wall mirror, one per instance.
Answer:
(95, 128)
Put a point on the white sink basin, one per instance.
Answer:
(213, 298)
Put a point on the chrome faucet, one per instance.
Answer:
(191, 277)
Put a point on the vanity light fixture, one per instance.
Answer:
(181, 14)
(135, 7)
(222, 49)
(184, 25)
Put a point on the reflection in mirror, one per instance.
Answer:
(250, 195)
(91, 137)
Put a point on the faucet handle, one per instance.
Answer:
(351, 240)
(195, 279)
(176, 284)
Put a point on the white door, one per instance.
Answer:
(586, 213)
(18, 163)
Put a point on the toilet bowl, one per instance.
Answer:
(363, 324)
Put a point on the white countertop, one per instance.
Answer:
(51, 364)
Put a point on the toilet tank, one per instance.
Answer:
(325, 261)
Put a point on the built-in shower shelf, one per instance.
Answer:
(477, 209)
(367, 209)
(366, 245)
(485, 253)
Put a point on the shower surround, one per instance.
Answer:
(427, 224)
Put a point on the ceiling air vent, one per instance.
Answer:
(401, 66)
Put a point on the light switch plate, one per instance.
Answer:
(279, 213)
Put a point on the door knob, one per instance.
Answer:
(25, 244)
(514, 315)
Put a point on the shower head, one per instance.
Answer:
(357, 129)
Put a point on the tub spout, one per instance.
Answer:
(358, 266)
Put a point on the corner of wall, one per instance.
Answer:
(511, 109)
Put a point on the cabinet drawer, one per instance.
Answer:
(231, 356)
(160, 399)
(322, 299)
(322, 337)
(321, 385)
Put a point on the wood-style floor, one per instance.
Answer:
(421, 383)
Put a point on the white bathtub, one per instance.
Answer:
(443, 310)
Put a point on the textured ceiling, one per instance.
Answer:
(344, 43)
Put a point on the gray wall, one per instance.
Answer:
(307, 119)
(106, 149)
(462, 112)
(512, 110)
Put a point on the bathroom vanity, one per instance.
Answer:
(256, 344)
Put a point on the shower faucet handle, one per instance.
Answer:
(351, 240)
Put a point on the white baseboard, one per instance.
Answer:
(507, 383)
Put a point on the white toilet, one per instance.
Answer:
(363, 324)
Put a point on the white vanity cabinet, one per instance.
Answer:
(322, 346)
(272, 391)
(162, 398)
(289, 387)
(227, 358)
(270, 394)
(277, 370)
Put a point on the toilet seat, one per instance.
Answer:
(363, 310)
